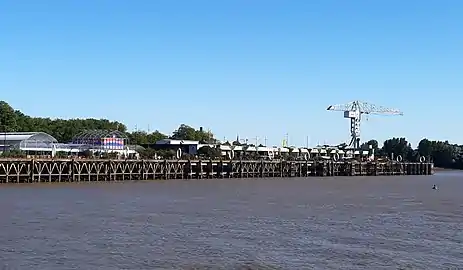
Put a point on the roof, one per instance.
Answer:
(98, 134)
(23, 136)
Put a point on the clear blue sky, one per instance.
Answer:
(257, 68)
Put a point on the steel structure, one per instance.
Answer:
(96, 137)
(354, 111)
(26, 140)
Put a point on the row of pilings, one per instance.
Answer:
(33, 171)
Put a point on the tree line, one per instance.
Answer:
(12, 120)
(442, 153)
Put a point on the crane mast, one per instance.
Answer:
(354, 111)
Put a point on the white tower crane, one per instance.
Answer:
(354, 111)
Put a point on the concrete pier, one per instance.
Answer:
(36, 171)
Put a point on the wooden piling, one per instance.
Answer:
(36, 171)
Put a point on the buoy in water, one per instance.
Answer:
(434, 187)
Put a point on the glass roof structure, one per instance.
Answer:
(20, 140)
(93, 136)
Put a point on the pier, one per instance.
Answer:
(84, 170)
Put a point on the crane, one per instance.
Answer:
(354, 110)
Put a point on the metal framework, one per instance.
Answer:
(26, 140)
(92, 136)
(354, 111)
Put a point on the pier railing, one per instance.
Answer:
(65, 170)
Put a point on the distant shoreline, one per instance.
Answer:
(445, 169)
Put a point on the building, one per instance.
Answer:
(26, 141)
(102, 139)
(40, 143)
(187, 146)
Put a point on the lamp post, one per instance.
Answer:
(4, 138)
(4, 133)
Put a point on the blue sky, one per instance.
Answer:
(254, 68)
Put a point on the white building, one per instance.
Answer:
(27, 141)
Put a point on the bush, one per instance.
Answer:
(209, 152)
(13, 154)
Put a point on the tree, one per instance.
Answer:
(142, 137)
(166, 154)
(396, 146)
(209, 152)
(373, 143)
(442, 153)
(62, 130)
(148, 153)
(425, 147)
(185, 132)
(155, 136)
(236, 143)
(8, 120)
(14, 153)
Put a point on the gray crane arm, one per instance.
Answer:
(365, 108)
(339, 107)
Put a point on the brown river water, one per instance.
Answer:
(298, 223)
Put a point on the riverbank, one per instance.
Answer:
(439, 169)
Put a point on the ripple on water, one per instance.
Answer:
(260, 224)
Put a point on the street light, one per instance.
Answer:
(4, 140)
(4, 134)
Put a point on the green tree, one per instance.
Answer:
(425, 147)
(62, 130)
(185, 132)
(155, 136)
(236, 143)
(8, 120)
(373, 143)
(166, 154)
(396, 147)
(14, 153)
(443, 154)
(148, 153)
(209, 152)
(142, 137)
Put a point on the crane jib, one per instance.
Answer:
(354, 110)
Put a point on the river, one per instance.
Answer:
(298, 223)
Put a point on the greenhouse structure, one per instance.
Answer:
(40, 143)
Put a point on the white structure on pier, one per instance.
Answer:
(26, 141)
(45, 144)
(191, 147)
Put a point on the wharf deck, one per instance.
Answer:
(78, 170)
